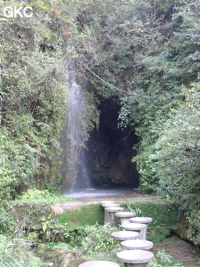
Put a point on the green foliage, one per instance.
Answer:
(26, 212)
(17, 162)
(97, 238)
(35, 194)
(171, 165)
(149, 50)
(162, 259)
(57, 245)
(34, 220)
(32, 99)
(192, 213)
(50, 230)
(137, 210)
(145, 49)
(86, 215)
(91, 114)
(95, 242)
(164, 214)
(16, 252)
(7, 222)
(176, 159)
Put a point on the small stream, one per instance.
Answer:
(181, 250)
(92, 193)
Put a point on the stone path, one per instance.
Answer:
(77, 203)
(181, 250)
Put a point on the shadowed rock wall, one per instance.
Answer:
(109, 151)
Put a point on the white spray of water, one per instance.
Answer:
(77, 172)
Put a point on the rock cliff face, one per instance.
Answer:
(109, 151)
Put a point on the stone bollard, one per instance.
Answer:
(136, 244)
(111, 214)
(139, 227)
(124, 216)
(135, 258)
(108, 205)
(144, 220)
(99, 264)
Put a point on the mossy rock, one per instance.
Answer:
(164, 214)
(30, 213)
(87, 215)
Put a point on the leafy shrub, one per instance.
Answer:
(96, 238)
(163, 259)
(17, 164)
(7, 222)
(164, 217)
(35, 194)
(175, 158)
(16, 253)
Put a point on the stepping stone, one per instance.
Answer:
(145, 220)
(125, 235)
(107, 201)
(124, 216)
(136, 244)
(139, 227)
(99, 264)
(107, 205)
(135, 258)
(111, 214)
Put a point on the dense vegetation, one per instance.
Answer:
(143, 54)
(149, 52)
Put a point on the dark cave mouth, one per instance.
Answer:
(109, 153)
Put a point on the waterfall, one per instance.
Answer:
(76, 169)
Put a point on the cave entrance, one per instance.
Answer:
(109, 152)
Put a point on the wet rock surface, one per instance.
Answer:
(94, 196)
(181, 250)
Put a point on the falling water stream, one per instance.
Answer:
(77, 174)
(76, 161)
